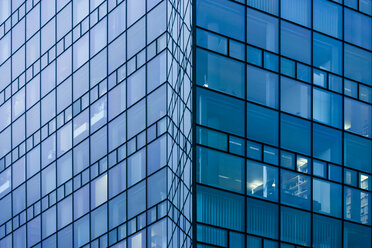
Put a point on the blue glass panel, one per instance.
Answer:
(220, 169)
(295, 134)
(221, 16)
(358, 29)
(262, 180)
(295, 226)
(327, 17)
(295, 97)
(262, 86)
(358, 117)
(262, 30)
(295, 42)
(357, 205)
(358, 64)
(270, 6)
(327, 53)
(220, 112)
(220, 73)
(295, 189)
(327, 107)
(327, 198)
(327, 232)
(220, 208)
(327, 143)
(357, 236)
(357, 152)
(262, 218)
(298, 11)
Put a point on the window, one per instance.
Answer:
(262, 30)
(220, 169)
(136, 118)
(116, 130)
(64, 139)
(156, 22)
(327, 17)
(295, 134)
(270, 6)
(64, 212)
(295, 42)
(327, 107)
(136, 167)
(48, 179)
(357, 236)
(156, 105)
(221, 16)
(327, 143)
(220, 112)
(117, 179)
(98, 144)
(157, 234)
(327, 198)
(298, 11)
(136, 199)
(81, 126)
(64, 21)
(80, 10)
(64, 96)
(358, 29)
(262, 86)
(157, 153)
(358, 117)
(116, 21)
(81, 202)
(136, 86)
(33, 49)
(81, 51)
(116, 53)
(357, 205)
(220, 73)
(220, 208)
(327, 232)
(5, 10)
(64, 67)
(262, 218)
(262, 180)
(98, 35)
(295, 189)
(156, 71)
(64, 168)
(98, 193)
(295, 97)
(81, 156)
(116, 100)
(136, 37)
(156, 188)
(358, 64)
(99, 219)
(135, 9)
(117, 210)
(295, 226)
(81, 231)
(327, 53)
(357, 152)
(262, 124)
(98, 114)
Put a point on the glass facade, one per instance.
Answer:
(283, 110)
(180, 123)
(95, 123)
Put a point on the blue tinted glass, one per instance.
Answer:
(327, 198)
(327, 107)
(295, 226)
(295, 189)
(262, 180)
(295, 134)
(220, 112)
(358, 64)
(262, 124)
(327, 143)
(262, 86)
(221, 16)
(262, 218)
(357, 236)
(327, 17)
(220, 169)
(117, 210)
(329, 238)
(327, 53)
(298, 11)
(220, 73)
(358, 117)
(295, 42)
(270, 6)
(295, 97)
(357, 205)
(225, 209)
(262, 30)
(358, 29)
(211, 41)
(357, 152)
